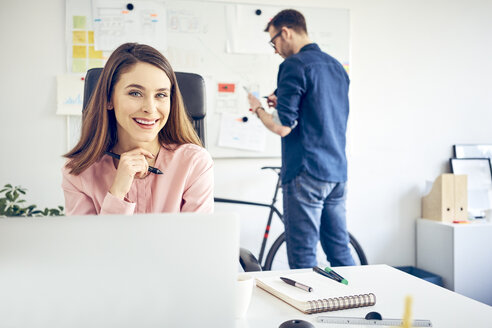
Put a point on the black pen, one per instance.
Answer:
(151, 168)
(326, 274)
(297, 284)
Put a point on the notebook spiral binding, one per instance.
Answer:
(341, 303)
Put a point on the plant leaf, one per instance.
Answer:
(9, 205)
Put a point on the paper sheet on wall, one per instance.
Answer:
(117, 22)
(70, 91)
(245, 28)
(79, 37)
(227, 98)
(185, 21)
(235, 133)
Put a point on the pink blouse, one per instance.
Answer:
(185, 186)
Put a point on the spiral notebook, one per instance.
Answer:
(327, 295)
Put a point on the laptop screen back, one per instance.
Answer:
(153, 270)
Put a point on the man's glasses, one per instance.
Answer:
(274, 37)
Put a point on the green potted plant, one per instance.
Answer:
(11, 204)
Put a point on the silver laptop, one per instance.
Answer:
(154, 270)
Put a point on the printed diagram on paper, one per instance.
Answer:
(69, 94)
(185, 21)
(227, 99)
(117, 22)
(242, 132)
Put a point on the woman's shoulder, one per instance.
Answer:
(190, 151)
(185, 156)
(100, 166)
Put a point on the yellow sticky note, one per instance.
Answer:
(95, 54)
(79, 22)
(95, 63)
(91, 37)
(79, 52)
(79, 65)
(79, 37)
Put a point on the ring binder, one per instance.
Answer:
(318, 302)
(341, 303)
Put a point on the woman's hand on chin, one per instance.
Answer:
(131, 164)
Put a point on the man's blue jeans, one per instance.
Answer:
(315, 210)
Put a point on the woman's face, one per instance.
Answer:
(141, 101)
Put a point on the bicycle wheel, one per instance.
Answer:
(277, 255)
(274, 251)
(357, 249)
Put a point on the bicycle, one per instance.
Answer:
(279, 242)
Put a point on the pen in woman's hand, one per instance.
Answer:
(151, 168)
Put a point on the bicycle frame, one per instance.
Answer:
(271, 206)
(281, 238)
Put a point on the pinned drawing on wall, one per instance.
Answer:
(84, 56)
(227, 100)
(330, 33)
(242, 132)
(185, 21)
(245, 25)
(81, 55)
(117, 22)
(69, 95)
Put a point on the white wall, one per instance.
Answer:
(421, 76)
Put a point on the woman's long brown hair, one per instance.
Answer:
(99, 124)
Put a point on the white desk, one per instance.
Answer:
(460, 253)
(444, 308)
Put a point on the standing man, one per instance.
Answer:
(311, 111)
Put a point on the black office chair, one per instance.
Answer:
(192, 87)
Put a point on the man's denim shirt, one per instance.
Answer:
(312, 97)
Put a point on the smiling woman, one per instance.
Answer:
(134, 120)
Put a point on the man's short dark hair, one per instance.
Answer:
(290, 18)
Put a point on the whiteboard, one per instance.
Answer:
(202, 48)
(199, 35)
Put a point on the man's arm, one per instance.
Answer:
(267, 119)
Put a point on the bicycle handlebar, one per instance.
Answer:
(276, 169)
(235, 201)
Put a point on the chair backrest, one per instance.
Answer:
(192, 87)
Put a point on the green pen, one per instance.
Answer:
(340, 278)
